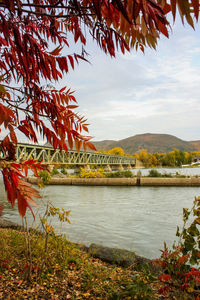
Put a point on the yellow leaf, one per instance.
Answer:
(190, 290)
(86, 295)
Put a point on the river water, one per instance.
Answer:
(139, 219)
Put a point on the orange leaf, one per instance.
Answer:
(56, 51)
(173, 6)
(91, 146)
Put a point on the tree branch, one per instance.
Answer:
(56, 16)
(26, 110)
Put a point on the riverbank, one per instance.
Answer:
(60, 270)
(66, 271)
(114, 256)
(135, 181)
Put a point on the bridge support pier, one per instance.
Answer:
(87, 168)
(108, 168)
(129, 167)
(120, 168)
(139, 164)
(50, 168)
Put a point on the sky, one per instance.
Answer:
(135, 93)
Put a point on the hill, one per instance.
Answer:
(196, 144)
(150, 141)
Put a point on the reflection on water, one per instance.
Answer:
(135, 218)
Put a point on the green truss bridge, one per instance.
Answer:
(47, 155)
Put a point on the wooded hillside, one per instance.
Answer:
(150, 141)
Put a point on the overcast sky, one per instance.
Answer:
(158, 92)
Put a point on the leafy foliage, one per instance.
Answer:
(29, 30)
(155, 173)
(64, 272)
(54, 171)
(177, 262)
(116, 151)
(174, 158)
(45, 176)
(147, 159)
(189, 236)
(119, 174)
(99, 173)
(63, 170)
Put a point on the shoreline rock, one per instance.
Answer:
(113, 256)
(5, 223)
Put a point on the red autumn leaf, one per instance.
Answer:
(166, 8)
(165, 277)
(91, 146)
(196, 7)
(56, 51)
(25, 170)
(71, 61)
(164, 290)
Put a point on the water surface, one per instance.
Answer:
(135, 218)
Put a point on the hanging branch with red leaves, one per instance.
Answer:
(28, 29)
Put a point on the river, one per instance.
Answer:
(139, 219)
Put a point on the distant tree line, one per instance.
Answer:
(174, 158)
(114, 151)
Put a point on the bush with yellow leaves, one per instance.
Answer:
(99, 173)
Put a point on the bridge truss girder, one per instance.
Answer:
(50, 156)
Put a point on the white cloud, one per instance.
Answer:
(136, 93)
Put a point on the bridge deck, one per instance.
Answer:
(48, 155)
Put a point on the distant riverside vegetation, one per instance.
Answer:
(153, 143)
(174, 158)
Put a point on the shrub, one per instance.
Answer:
(119, 174)
(167, 175)
(91, 174)
(54, 171)
(177, 263)
(63, 170)
(154, 173)
(45, 176)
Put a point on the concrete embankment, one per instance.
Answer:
(87, 181)
(142, 181)
(159, 181)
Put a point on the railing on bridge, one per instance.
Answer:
(50, 156)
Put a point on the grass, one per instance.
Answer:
(66, 272)
(63, 272)
(119, 174)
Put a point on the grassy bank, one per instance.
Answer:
(63, 271)
(43, 265)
